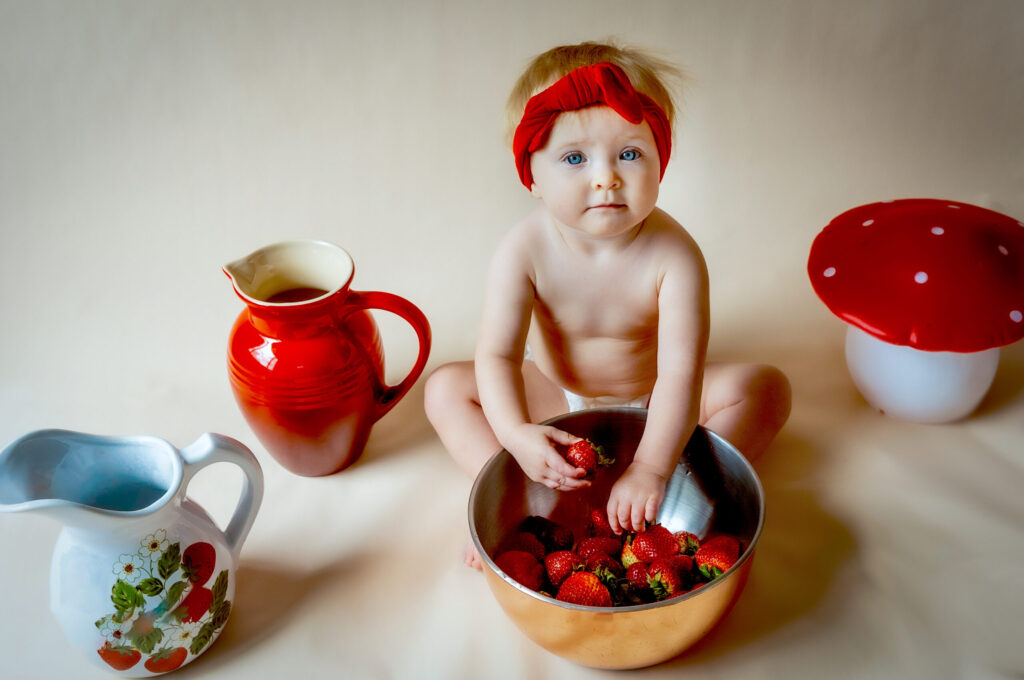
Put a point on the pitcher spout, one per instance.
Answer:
(290, 272)
(71, 475)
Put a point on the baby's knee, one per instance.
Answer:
(447, 384)
(770, 388)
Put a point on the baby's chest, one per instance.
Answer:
(595, 305)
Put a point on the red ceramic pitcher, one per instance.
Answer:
(305, 356)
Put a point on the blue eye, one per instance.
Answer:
(573, 158)
(629, 155)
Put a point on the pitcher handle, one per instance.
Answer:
(216, 448)
(414, 317)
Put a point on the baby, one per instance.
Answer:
(597, 297)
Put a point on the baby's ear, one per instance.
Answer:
(535, 192)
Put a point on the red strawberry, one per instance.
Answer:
(664, 579)
(523, 567)
(716, 556)
(599, 525)
(120, 658)
(553, 535)
(166, 659)
(560, 564)
(596, 544)
(629, 558)
(526, 542)
(584, 588)
(198, 562)
(638, 590)
(195, 604)
(688, 543)
(684, 563)
(598, 563)
(636, 574)
(585, 454)
(653, 542)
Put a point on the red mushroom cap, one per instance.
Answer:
(931, 274)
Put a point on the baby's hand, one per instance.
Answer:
(635, 498)
(533, 447)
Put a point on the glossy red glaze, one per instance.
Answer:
(309, 376)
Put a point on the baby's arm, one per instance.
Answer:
(508, 305)
(674, 409)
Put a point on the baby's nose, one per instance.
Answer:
(605, 178)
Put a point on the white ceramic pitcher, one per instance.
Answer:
(142, 580)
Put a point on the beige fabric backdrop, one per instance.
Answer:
(145, 144)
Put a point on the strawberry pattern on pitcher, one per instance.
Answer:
(163, 611)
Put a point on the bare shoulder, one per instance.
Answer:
(671, 245)
(514, 254)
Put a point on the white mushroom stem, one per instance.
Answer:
(915, 385)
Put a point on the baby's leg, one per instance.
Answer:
(747, 404)
(452, 403)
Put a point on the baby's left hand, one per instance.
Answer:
(635, 498)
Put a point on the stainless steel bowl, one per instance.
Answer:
(713, 490)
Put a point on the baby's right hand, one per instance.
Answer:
(533, 447)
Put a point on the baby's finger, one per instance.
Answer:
(562, 468)
(651, 511)
(636, 516)
(562, 437)
(611, 512)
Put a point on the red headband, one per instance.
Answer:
(602, 83)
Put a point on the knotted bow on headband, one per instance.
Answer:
(602, 83)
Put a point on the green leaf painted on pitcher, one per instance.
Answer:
(169, 561)
(150, 587)
(125, 596)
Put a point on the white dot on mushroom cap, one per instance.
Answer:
(1003, 250)
(921, 277)
(938, 231)
(829, 273)
(867, 223)
(954, 207)
(1016, 316)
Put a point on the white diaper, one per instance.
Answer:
(579, 403)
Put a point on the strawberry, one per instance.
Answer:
(636, 574)
(684, 563)
(629, 558)
(523, 567)
(599, 525)
(688, 543)
(585, 454)
(605, 564)
(526, 542)
(596, 544)
(198, 562)
(553, 535)
(664, 578)
(560, 564)
(584, 588)
(716, 556)
(166, 659)
(638, 590)
(653, 542)
(195, 604)
(120, 658)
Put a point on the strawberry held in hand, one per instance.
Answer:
(585, 454)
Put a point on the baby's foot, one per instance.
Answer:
(471, 556)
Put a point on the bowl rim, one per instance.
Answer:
(744, 557)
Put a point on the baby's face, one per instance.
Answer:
(598, 173)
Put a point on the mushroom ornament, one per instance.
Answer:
(931, 289)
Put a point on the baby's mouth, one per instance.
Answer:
(607, 206)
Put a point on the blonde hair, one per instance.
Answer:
(646, 72)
